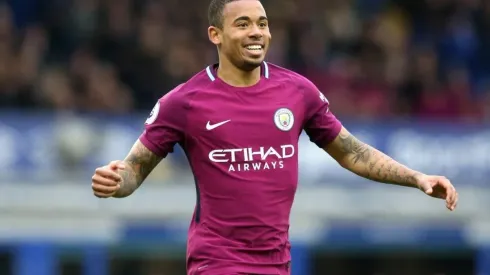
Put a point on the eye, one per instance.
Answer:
(242, 25)
(263, 24)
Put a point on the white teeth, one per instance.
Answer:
(254, 47)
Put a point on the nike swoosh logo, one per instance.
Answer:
(210, 126)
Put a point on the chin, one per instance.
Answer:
(251, 64)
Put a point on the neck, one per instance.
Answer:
(234, 76)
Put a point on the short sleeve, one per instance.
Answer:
(321, 125)
(164, 127)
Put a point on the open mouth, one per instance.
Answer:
(255, 49)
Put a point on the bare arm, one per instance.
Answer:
(368, 162)
(138, 165)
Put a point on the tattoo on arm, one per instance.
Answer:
(139, 164)
(358, 151)
(372, 164)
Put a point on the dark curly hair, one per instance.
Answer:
(215, 12)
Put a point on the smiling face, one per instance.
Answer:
(244, 37)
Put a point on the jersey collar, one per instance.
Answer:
(211, 71)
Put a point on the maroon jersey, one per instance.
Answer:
(242, 146)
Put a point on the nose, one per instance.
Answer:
(255, 32)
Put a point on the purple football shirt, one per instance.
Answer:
(242, 146)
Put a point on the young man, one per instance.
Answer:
(239, 122)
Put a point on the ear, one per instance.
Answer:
(214, 35)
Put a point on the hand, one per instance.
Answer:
(439, 187)
(106, 181)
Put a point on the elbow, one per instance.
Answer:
(341, 157)
(343, 162)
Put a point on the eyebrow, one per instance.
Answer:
(246, 18)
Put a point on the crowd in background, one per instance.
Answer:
(373, 59)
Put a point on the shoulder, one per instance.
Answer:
(182, 94)
(174, 96)
(312, 96)
(169, 105)
(292, 79)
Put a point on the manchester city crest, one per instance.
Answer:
(284, 119)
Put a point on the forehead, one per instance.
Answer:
(249, 8)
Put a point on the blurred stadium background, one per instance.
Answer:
(78, 78)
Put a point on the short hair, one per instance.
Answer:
(215, 12)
